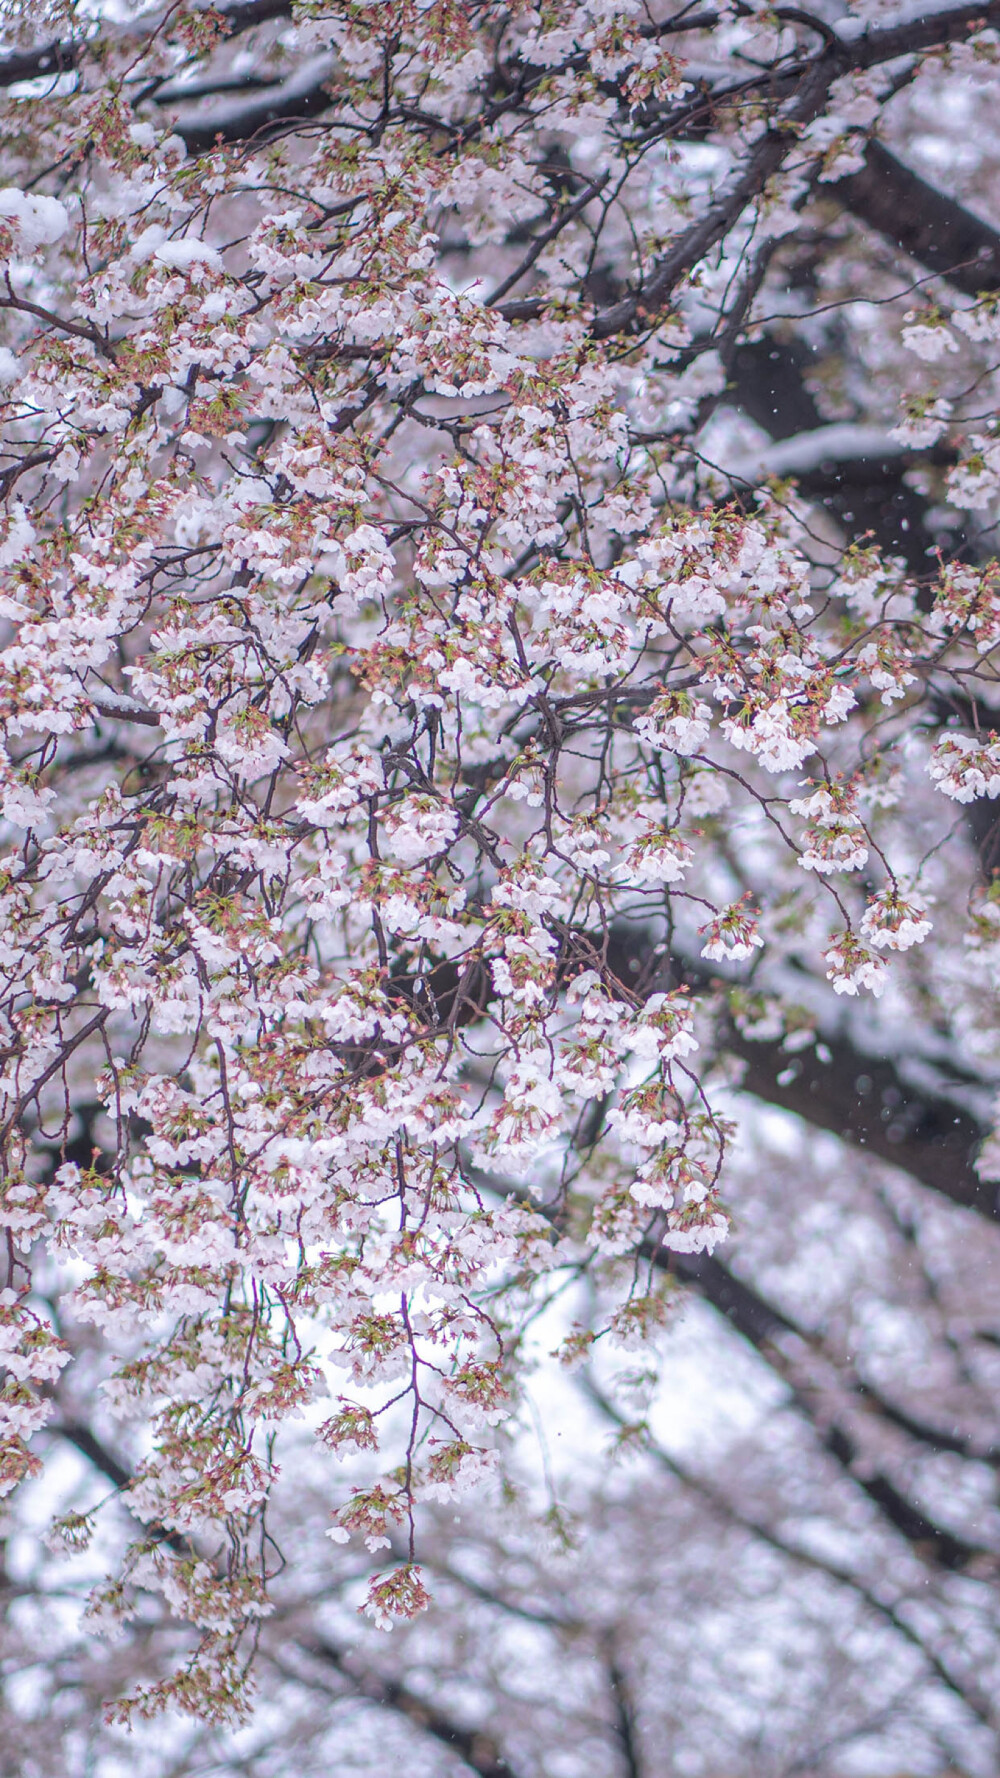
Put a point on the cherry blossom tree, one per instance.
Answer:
(497, 681)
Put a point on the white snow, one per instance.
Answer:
(39, 220)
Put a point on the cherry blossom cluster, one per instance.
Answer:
(380, 686)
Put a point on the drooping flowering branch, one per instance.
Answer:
(378, 646)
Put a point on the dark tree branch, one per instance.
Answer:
(935, 1438)
(243, 15)
(31, 64)
(96, 1452)
(624, 1709)
(89, 1446)
(868, 496)
(869, 1102)
(949, 25)
(768, 1331)
(541, 241)
(769, 382)
(933, 229)
(475, 1749)
(256, 122)
(62, 58)
(866, 1100)
(643, 305)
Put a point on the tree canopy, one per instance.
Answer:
(498, 678)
